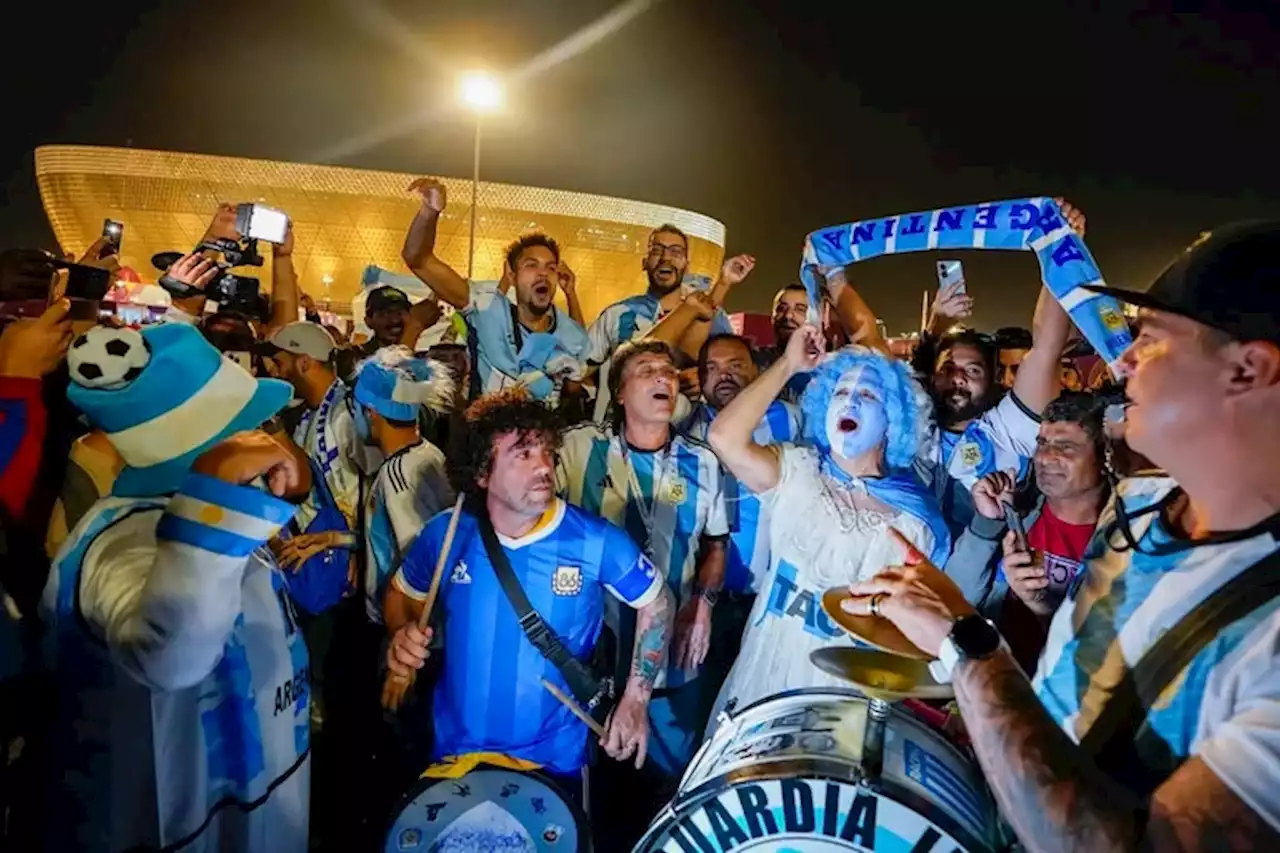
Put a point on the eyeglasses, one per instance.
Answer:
(657, 250)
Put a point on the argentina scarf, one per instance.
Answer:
(1026, 224)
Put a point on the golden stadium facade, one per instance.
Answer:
(345, 219)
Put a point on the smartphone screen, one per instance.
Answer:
(113, 233)
(259, 222)
(951, 273)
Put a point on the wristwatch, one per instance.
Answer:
(971, 638)
(711, 596)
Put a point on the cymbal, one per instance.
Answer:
(880, 675)
(874, 631)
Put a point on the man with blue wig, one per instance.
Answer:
(184, 703)
(845, 491)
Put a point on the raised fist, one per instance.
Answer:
(433, 194)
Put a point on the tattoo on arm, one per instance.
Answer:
(653, 632)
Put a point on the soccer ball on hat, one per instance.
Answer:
(107, 358)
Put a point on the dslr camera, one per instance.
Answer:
(232, 292)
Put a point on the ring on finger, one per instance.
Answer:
(873, 606)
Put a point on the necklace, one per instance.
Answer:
(647, 511)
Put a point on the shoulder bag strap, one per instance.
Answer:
(1112, 737)
(593, 694)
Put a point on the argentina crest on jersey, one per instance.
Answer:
(567, 580)
(460, 573)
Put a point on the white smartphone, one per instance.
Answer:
(951, 273)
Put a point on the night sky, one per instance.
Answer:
(774, 117)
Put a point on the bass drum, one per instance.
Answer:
(817, 771)
(488, 809)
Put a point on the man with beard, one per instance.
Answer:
(531, 343)
(983, 429)
(664, 264)
(569, 564)
(1105, 750)
(725, 367)
(1058, 515)
(790, 311)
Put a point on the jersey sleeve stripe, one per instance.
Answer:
(402, 583)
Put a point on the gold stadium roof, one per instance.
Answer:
(345, 219)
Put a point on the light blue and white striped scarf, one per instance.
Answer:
(1030, 224)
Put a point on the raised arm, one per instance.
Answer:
(730, 436)
(569, 284)
(285, 297)
(165, 596)
(672, 329)
(732, 273)
(420, 243)
(857, 318)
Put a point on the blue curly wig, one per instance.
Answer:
(906, 405)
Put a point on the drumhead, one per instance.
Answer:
(488, 809)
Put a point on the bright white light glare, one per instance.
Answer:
(480, 91)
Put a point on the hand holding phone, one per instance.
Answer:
(951, 277)
(112, 237)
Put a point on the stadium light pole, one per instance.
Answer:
(481, 93)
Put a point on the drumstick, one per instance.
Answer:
(568, 702)
(396, 686)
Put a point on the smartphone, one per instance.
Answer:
(1014, 521)
(951, 273)
(113, 234)
(259, 222)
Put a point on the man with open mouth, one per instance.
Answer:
(666, 490)
(845, 493)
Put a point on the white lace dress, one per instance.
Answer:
(821, 535)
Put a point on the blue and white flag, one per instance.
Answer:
(1029, 224)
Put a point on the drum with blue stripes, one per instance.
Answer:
(798, 771)
(488, 809)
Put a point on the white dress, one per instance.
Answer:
(811, 551)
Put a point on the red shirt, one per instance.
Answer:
(1062, 546)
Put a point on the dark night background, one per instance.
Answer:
(774, 117)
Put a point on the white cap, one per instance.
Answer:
(302, 338)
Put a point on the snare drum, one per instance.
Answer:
(488, 809)
(821, 770)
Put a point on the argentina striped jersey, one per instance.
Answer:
(490, 696)
(679, 489)
(185, 713)
(747, 558)
(1225, 706)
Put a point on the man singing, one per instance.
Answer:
(1196, 767)
(490, 698)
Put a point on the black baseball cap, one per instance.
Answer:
(1228, 279)
(386, 297)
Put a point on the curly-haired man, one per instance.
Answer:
(490, 698)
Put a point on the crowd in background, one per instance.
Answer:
(674, 497)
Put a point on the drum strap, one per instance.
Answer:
(1112, 740)
(595, 695)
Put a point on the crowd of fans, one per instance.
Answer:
(257, 579)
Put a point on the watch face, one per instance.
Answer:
(975, 637)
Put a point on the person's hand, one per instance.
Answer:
(991, 493)
(692, 635)
(246, 456)
(1073, 215)
(285, 249)
(690, 385)
(292, 553)
(408, 652)
(736, 269)
(921, 601)
(627, 730)
(804, 349)
(567, 279)
(32, 349)
(433, 194)
(223, 224)
(308, 304)
(193, 270)
(111, 263)
(704, 307)
(1027, 576)
(952, 302)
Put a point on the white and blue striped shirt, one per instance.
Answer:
(747, 559)
(632, 317)
(1225, 706)
(678, 488)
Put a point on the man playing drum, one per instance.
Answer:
(1102, 750)
(491, 699)
(842, 493)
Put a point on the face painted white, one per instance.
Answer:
(857, 421)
